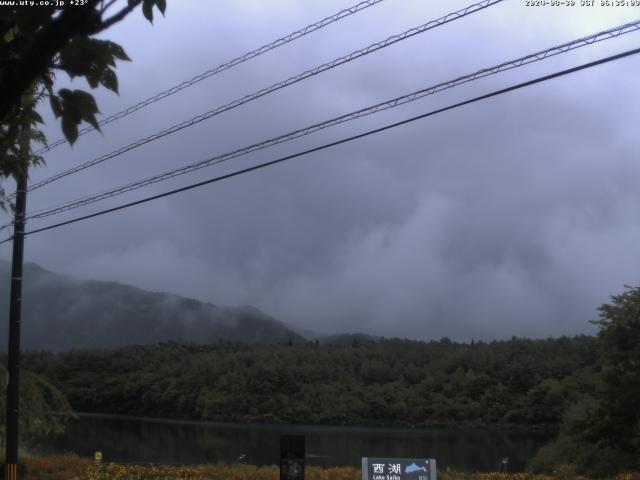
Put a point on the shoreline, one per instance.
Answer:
(274, 425)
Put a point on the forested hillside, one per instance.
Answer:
(57, 309)
(517, 382)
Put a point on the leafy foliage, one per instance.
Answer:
(618, 402)
(44, 409)
(147, 7)
(35, 44)
(18, 136)
(517, 382)
(93, 59)
(601, 433)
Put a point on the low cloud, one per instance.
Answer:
(513, 216)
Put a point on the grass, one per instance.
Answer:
(74, 467)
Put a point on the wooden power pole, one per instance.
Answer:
(15, 310)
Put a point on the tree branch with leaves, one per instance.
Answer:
(38, 43)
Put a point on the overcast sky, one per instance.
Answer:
(514, 216)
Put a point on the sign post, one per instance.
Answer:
(292, 450)
(398, 468)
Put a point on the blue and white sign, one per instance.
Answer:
(398, 469)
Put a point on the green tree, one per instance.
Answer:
(44, 408)
(546, 402)
(617, 425)
(600, 434)
(38, 42)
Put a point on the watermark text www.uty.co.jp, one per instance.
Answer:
(42, 3)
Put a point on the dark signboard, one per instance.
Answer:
(398, 469)
(292, 450)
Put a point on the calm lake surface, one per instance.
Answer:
(133, 440)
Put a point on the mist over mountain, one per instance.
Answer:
(61, 312)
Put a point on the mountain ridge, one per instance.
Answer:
(62, 312)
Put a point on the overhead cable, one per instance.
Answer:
(222, 67)
(339, 142)
(518, 62)
(277, 86)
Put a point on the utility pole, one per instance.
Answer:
(15, 308)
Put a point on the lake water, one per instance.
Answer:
(132, 440)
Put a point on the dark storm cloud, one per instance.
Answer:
(515, 216)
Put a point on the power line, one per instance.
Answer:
(222, 67)
(525, 60)
(339, 142)
(277, 86)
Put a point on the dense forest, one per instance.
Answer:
(517, 382)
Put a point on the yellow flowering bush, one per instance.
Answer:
(73, 467)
